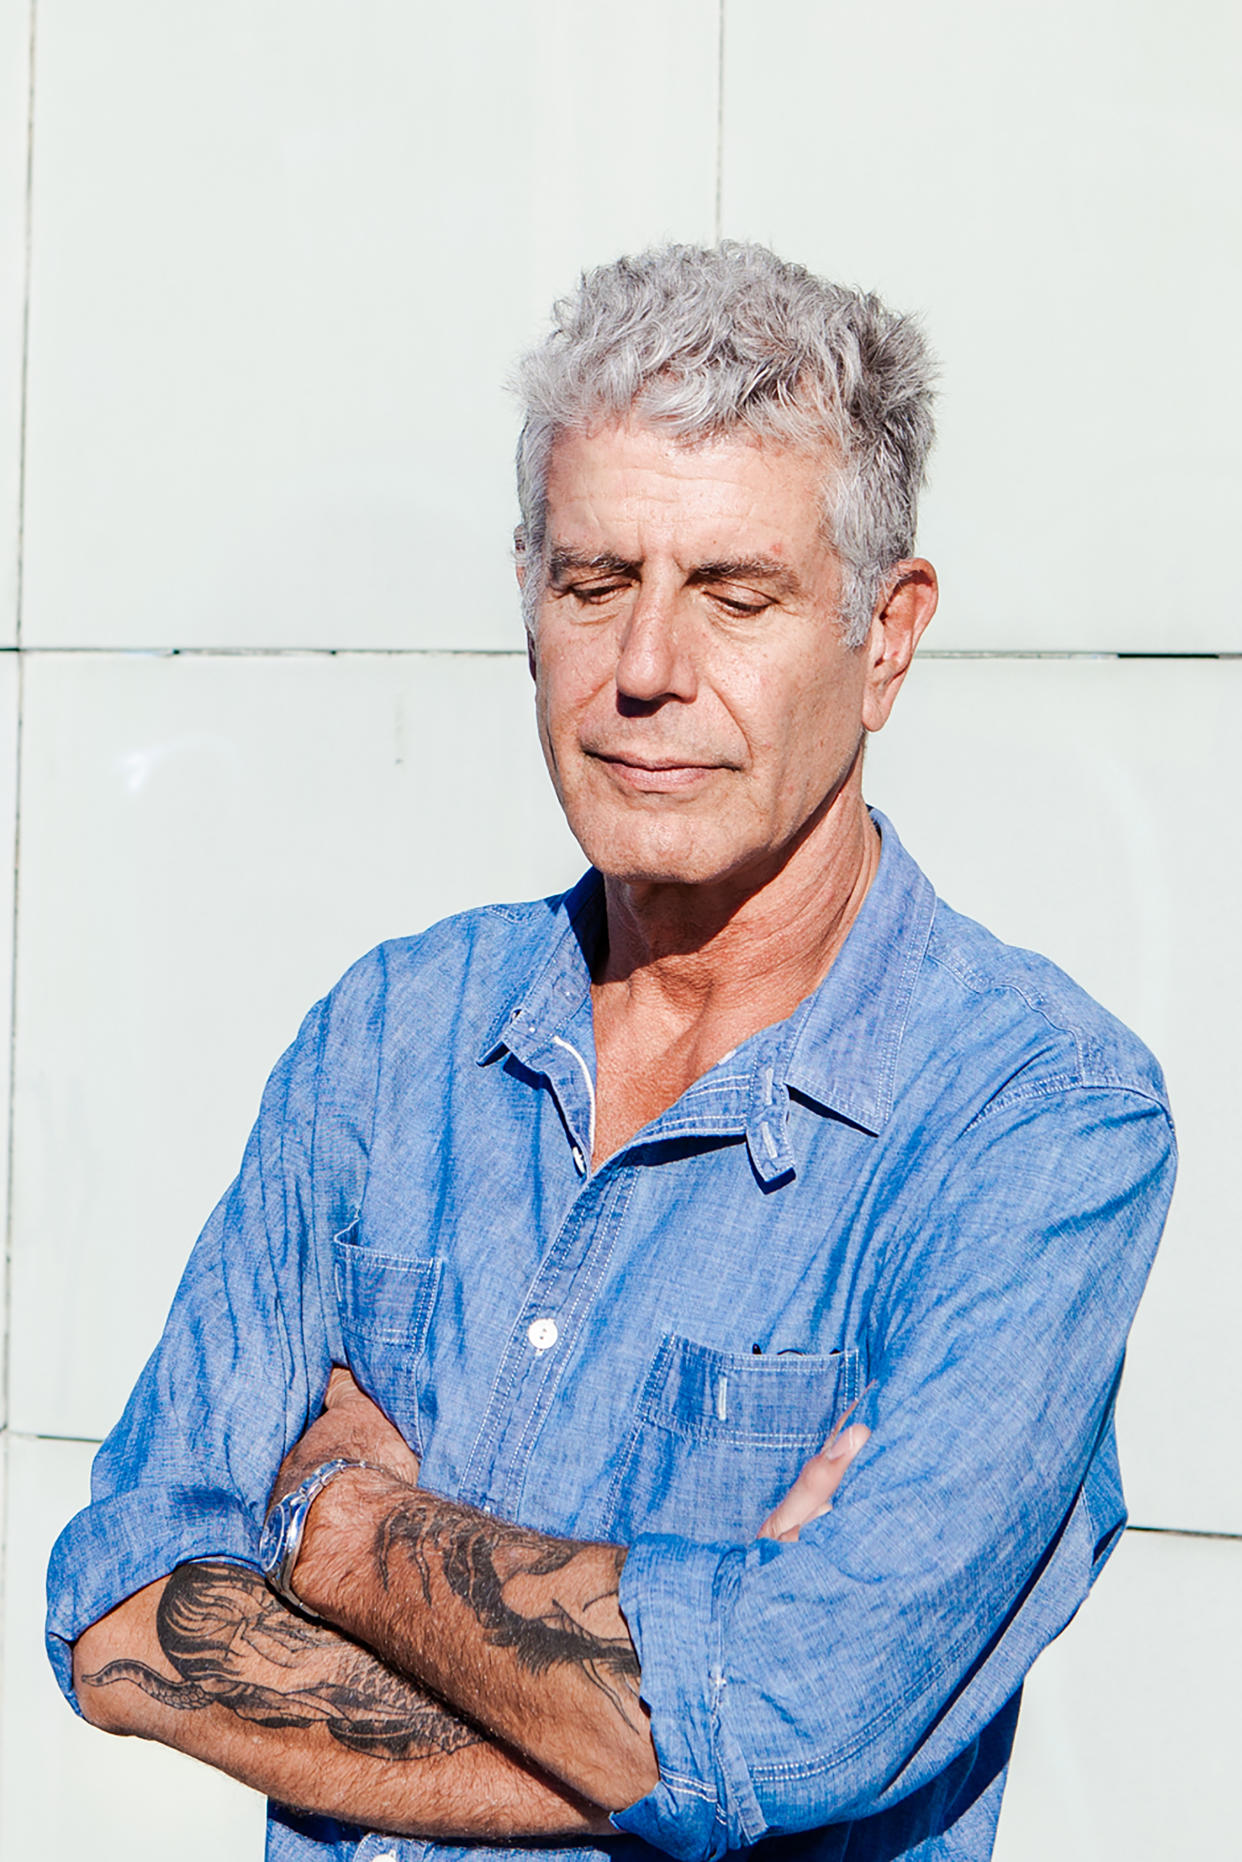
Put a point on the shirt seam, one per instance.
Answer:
(278, 1305)
(830, 1762)
(380, 1047)
(1062, 1084)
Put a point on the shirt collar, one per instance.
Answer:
(838, 1050)
(840, 1047)
(550, 994)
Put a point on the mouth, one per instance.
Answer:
(653, 775)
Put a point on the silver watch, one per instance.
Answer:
(281, 1539)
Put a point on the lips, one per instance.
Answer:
(652, 764)
(653, 774)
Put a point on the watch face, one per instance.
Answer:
(271, 1543)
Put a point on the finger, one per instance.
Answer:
(811, 1494)
(341, 1387)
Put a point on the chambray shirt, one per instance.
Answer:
(941, 1180)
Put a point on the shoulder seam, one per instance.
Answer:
(1089, 1048)
(981, 986)
(1064, 1084)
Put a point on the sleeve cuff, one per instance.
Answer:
(116, 1546)
(675, 1597)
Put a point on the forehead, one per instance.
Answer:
(637, 488)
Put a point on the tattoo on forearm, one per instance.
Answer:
(480, 1557)
(236, 1645)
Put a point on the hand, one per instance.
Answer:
(811, 1494)
(352, 1427)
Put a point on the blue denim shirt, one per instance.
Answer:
(943, 1177)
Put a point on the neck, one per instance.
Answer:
(754, 944)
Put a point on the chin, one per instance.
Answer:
(681, 858)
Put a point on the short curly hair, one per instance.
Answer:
(708, 340)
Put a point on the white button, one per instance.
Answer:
(542, 1334)
(389, 1855)
(580, 1161)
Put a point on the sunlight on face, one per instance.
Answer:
(696, 705)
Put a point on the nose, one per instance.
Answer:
(655, 659)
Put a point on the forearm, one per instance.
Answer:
(209, 1661)
(522, 1633)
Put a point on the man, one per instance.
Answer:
(592, 1219)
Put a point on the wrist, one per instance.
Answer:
(339, 1537)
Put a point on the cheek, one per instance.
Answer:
(566, 685)
(574, 667)
(806, 725)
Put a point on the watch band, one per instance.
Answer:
(283, 1530)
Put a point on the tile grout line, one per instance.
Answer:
(1185, 1532)
(25, 349)
(720, 83)
(943, 654)
(12, 1050)
(956, 654)
(20, 540)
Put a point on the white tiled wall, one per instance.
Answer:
(313, 237)
(209, 842)
(9, 682)
(1088, 808)
(1127, 1739)
(1053, 183)
(14, 143)
(283, 257)
(67, 1791)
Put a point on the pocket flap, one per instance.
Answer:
(793, 1399)
(383, 1296)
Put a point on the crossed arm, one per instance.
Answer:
(470, 1679)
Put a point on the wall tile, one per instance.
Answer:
(66, 1789)
(1052, 186)
(207, 844)
(14, 103)
(284, 259)
(1127, 1742)
(1087, 808)
(9, 684)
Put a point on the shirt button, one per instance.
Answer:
(542, 1334)
(579, 1162)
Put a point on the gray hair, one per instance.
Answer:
(723, 339)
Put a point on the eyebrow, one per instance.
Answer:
(767, 569)
(603, 563)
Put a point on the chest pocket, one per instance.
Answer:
(385, 1305)
(720, 1437)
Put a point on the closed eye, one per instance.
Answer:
(592, 594)
(735, 604)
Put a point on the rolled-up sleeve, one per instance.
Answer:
(248, 1344)
(796, 1685)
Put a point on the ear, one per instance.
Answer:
(907, 603)
(519, 569)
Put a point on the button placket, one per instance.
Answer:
(565, 1286)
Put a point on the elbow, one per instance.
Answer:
(100, 1662)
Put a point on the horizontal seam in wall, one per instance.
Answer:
(1185, 1532)
(519, 652)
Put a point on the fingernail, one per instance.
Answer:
(848, 1442)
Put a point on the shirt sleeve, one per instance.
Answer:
(792, 1686)
(247, 1348)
